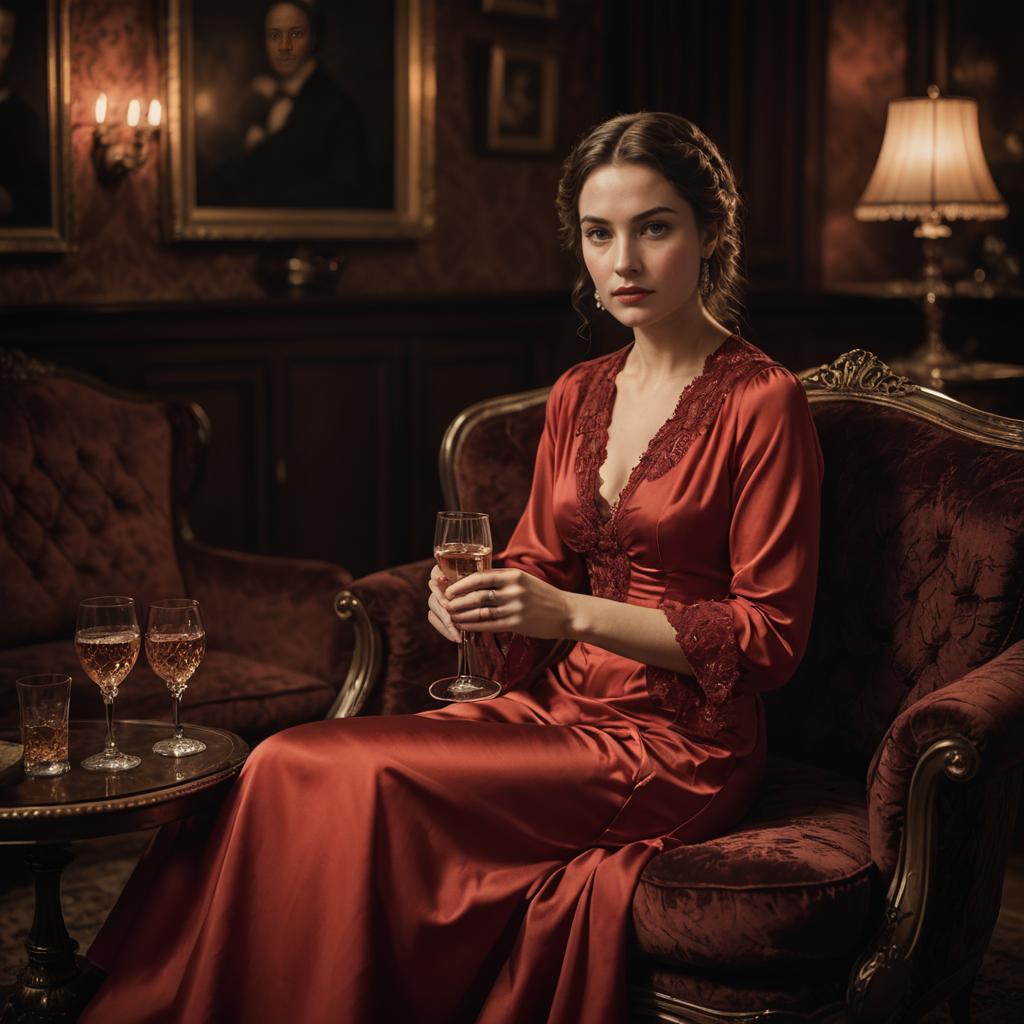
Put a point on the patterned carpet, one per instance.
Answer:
(95, 877)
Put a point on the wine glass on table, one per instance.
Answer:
(107, 641)
(175, 644)
(462, 545)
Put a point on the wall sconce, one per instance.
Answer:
(113, 156)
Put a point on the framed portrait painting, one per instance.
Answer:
(532, 8)
(35, 135)
(522, 100)
(311, 119)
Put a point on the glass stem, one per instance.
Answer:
(466, 655)
(108, 708)
(176, 698)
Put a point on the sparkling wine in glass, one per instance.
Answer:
(107, 641)
(175, 644)
(462, 545)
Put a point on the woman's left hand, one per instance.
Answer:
(509, 600)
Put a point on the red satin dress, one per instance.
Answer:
(477, 862)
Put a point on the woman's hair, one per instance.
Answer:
(680, 151)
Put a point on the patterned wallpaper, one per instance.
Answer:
(866, 67)
(495, 227)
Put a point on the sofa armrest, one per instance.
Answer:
(984, 707)
(278, 610)
(942, 793)
(412, 654)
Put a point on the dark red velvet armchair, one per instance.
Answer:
(866, 882)
(92, 492)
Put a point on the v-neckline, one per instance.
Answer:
(606, 512)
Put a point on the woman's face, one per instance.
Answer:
(289, 39)
(641, 244)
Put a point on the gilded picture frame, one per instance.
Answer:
(35, 129)
(342, 151)
(522, 100)
(530, 8)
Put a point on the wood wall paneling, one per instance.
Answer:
(339, 482)
(230, 508)
(355, 396)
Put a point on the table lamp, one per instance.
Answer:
(932, 169)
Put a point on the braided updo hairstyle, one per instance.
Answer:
(681, 152)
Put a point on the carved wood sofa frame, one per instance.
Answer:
(880, 979)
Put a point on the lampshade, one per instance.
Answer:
(931, 163)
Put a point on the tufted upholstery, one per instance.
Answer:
(918, 636)
(920, 578)
(85, 505)
(91, 487)
(494, 467)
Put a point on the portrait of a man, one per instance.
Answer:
(284, 106)
(24, 171)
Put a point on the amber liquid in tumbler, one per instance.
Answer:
(459, 560)
(44, 744)
(174, 657)
(107, 655)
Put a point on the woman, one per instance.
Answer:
(446, 866)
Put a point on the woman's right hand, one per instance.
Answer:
(437, 615)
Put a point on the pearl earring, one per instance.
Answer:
(597, 299)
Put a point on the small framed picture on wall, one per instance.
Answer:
(534, 8)
(522, 100)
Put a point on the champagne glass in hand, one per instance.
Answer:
(107, 642)
(462, 545)
(175, 644)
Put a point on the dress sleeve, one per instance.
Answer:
(536, 546)
(754, 638)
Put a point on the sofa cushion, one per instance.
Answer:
(793, 883)
(251, 698)
(85, 504)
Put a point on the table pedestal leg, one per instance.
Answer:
(50, 986)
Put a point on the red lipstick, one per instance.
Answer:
(630, 296)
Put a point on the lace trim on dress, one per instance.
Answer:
(707, 635)
(596, 536)
(713, 652)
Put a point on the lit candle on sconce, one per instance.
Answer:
(113, 156)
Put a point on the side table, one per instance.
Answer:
(47, 815)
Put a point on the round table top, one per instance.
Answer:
(83, 804)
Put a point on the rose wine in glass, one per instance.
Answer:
(462, 545)
(107, 641)
(175, 644)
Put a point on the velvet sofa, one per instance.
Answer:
(93, 486)
(865, 883)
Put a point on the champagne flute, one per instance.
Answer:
(107, 642)
(462, 545)
(175, 644)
